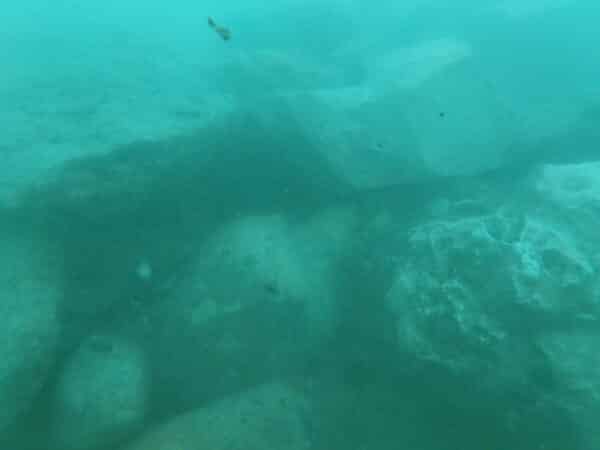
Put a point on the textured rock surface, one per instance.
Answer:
(29, 293)
(475, 291)
(101, 394)
(267, 417)
(574, 192)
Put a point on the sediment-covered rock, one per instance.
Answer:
(29, 296)
(271, 416)
(101, 394)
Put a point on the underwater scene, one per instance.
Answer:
(300, 225)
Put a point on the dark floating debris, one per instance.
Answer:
(221, 31)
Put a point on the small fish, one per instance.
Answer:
(221, 31)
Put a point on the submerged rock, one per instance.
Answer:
(29, 293)
(474, 292)
(259, 258)
(269, 417)
(575, 362)
(101, 394)
(257, 301)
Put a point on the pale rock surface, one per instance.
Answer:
(269, 417)
(425, 110)
(101, 394)
(574, 188)
(258, 257)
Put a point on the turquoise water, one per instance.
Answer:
(331, 225)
